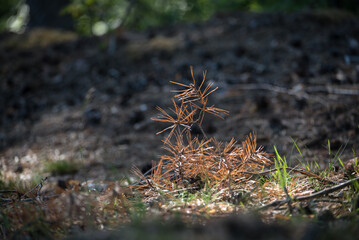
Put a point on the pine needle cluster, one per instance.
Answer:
(193, 163)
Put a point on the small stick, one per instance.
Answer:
(8, 200)
(40, 187)
(204, 134)
(311, 196)
(37, 186)
(8, 191)
(305, 91)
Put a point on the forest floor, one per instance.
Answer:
(71, 99)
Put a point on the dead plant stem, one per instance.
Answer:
(311, 196)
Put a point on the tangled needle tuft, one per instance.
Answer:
(193, 163)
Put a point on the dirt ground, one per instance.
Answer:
(283, 76)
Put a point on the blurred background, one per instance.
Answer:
(101, 16)
(81, 79)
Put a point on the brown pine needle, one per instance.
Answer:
(189, 158)
(183, 118)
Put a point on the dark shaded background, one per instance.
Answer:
(89, 100)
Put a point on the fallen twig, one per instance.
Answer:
(333, 90)
(25, 197)
(311, 196)
(38, 187)
(301, 91)
(8, 191)
(37, 198)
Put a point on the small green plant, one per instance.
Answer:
(281, 175)
(310, 166)
(341, 163)
(61, 167)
